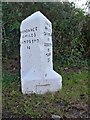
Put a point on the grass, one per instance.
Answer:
(74, 91)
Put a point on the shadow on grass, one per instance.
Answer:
(70, 101)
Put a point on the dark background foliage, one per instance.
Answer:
(70, 30)
(71, 34)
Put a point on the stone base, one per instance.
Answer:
(52, 83)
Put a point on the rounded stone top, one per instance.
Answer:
(35, 16)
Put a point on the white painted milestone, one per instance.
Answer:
(37, 74)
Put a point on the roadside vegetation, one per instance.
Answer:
(70, 57)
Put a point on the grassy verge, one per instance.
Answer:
(71, 101)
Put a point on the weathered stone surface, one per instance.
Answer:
(37, 74)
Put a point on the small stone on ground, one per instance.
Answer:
(56, 117)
